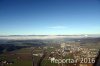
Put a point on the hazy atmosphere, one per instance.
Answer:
(49, 32)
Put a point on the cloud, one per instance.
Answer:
(58, 27)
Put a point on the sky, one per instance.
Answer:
(49, 17)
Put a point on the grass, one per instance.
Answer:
(22, 63)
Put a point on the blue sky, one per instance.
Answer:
(49, 17)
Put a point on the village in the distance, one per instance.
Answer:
(44, 50)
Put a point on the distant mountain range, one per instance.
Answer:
(26, 37)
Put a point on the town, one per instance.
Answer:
(49, 52)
